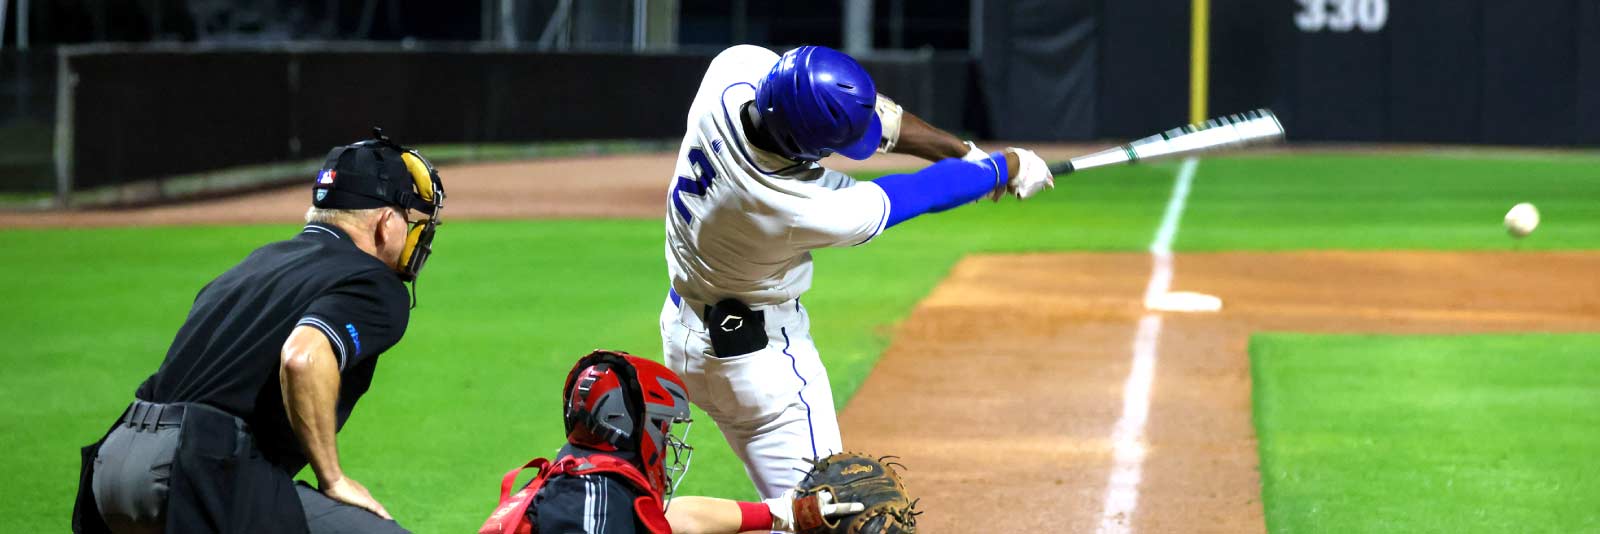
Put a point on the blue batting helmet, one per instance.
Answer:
(817, 101)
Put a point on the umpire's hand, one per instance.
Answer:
(348, 491)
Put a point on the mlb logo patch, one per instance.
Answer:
(326, 177)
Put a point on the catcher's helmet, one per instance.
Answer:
(616, 401)
(817, 101)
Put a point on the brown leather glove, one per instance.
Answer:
(854, 478)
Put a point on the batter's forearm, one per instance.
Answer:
(945, 185)
(308, 377)
(923, 140)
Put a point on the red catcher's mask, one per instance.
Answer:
(616, 401)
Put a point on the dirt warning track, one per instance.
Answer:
(1001, 389)
(616, 186)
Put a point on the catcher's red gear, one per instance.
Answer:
(511, 517)
(616, 401)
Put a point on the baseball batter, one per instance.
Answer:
(747, 205)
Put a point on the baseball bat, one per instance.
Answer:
(1256, 127)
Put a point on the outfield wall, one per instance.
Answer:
(141, 113)
(1420, 71)
(1429, 71)
(1409, 71)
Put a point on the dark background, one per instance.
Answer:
(174, 86)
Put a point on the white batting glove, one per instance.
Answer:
(889, 115)
(788, 515)
(974, 154)
(1033, 174)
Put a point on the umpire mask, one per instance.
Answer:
(381, 173)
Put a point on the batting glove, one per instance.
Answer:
(1033, 174)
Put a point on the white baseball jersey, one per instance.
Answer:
(741, 221)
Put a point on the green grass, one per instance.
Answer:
(507, 306)
(1417, 202)
(1486, 433)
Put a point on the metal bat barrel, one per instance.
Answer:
(1231, 131)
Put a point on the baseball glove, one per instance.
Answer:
(854, 478)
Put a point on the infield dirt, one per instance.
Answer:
(1001, 389)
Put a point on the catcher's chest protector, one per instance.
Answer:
(511, 517)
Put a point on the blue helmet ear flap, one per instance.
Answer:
(864, 147)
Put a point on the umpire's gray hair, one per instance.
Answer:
(356, 218)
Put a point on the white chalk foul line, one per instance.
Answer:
(1127, 437)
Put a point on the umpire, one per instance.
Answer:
(269, 364)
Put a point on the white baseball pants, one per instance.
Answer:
(774, 406)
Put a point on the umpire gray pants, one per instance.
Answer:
(133, 472)
(327, 516)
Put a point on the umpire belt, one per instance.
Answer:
(145, 415)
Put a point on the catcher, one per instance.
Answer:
(622, 462)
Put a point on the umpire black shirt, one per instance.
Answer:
(227, 352)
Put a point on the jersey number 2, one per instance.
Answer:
(703, 173)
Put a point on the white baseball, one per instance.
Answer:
(1522, 219)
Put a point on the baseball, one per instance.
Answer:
(1522, 219)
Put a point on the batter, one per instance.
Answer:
(750, 201)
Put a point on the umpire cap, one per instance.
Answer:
(376, 173)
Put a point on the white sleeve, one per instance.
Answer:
(742, 63)
(740, 60)
(832, 179)
(843, 217)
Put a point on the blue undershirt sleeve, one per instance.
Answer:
(941, 186)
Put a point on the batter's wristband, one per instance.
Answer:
(998, 160)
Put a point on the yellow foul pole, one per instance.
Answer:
(1199, 41)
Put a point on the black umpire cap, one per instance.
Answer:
(378, 173)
